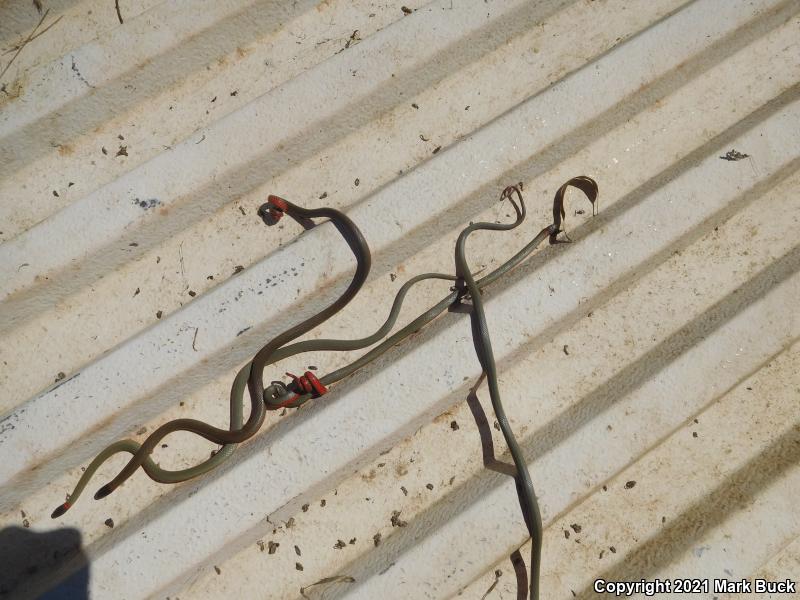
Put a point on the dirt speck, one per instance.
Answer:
(454, 425)
(376, 539)
(629, 484)
(109, 523)
(406, 10)
(298, 566)
(123, 151)
(396, 521)
(217, 569)
(273, 547)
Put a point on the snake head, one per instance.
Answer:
(273, 209)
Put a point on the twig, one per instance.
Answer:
(497, 575)
(29, 38)
(119, 14)
(42, 32)
(196, 329)
(334, 579)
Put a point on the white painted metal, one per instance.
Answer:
(659, 348)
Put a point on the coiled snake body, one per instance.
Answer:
(279, 395)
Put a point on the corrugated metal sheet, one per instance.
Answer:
(649, 369)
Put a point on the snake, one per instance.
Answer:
(279, 395)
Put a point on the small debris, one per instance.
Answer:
(119, 14)
(241, 210)
(123, 151)
(396, 520)
(435, 150)
(404, 490)
(392, 276)
(217, 569)
(25, 523)
(576, 528)
(339, 544)
(60, 376)
(305, 507)
(415, 105)
(290, 523)
(334, 579)
(323, 195)
(159, 313)
(613, 549)
(273, 547)
(423, 138)
(376, 539)
(297, 550)
(353, 38)
(454, 425)
(497, 574)
(694, 434)
(55, 193)
(323, 502)
(214, 99)
(261, 545)
(298, 566)
(352, 541)
(234, 92)
(566, 349)
(238, 269)
(192, 293)
(356, 182)
(406, 10)
(136, 293)
(314, 368)
(103, 150)
(142, 431)
(734, 155)
(629, 484)
(566, 534)
(109, 523)
(429, 486)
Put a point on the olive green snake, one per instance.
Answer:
(279, 395)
